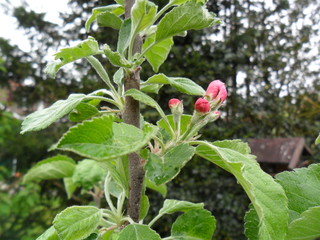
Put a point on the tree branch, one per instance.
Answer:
(131, 115)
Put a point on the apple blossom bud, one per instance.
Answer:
(202, 106)
(217, 90)
(173, 102)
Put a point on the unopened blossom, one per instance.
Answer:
(217, 91)
(202, 105)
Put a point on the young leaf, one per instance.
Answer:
(184, 122)
(171, 206)
(82, 112)
(196, 224)
(87, 172)
(267, 196)
(150, 88)
(116, 58)
(301, 187)
(102, 139)
(43, 118)
(138, 232)
(142, 15)
(162, 189)
(118, 77)
(109, 19)
(77, 222)
(251, 225)
(69, 186)
(162, 169)
(157, 54)
(124, 36)
(49, 234)
(51, 168)
(183, 85)
(116, 9)
(144, 208)
(66, 55)
(144, 98)
(189, 16)
(307, 226)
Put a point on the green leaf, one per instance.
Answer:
(116, 58)
(184, 123)
(109, 19)
(196, 224)
(77, 222)
(144, 208)
(118, 77)
(183, 85)
(171, 206)
(267, 196)
(318, 140)
(82, 112)
(69, 186)
(43, 118)
(116, 9)
(180, 2)
(251, 225)
(138, 232)
(88, 172)
(142, 14)
(162, 188)
(144, 98)
(124, 36)
(307, 226)
(301, 187)
(162, 169)
(157, 54)
(102, 139)
(51, 168)
(150, 88)
(189, 16)
(66, 55)
(49, 234)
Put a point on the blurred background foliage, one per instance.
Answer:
(266, 52)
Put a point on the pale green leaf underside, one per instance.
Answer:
(49, 234)
(43, 118)
(301, 187)
(162, 169)
(138, 232)
(267, 196)
(66, 55)
(197, 224)
(157, 54)
(69, 186)
(102, 139)
(109, 19)
(171, 206)
(142, 15)
(124, 36)
(51, 168)
(183, 85)
(116, 9)
(77, 222)
(116, 58)
(182, 18)
(307, 227)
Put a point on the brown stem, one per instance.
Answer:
(131, 115)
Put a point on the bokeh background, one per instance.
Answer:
(267, 53)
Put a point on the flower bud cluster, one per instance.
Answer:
(215, 95)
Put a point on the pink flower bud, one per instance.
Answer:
(173, 102)
(202, 105)
(217, 90)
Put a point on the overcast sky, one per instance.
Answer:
(9, 24)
